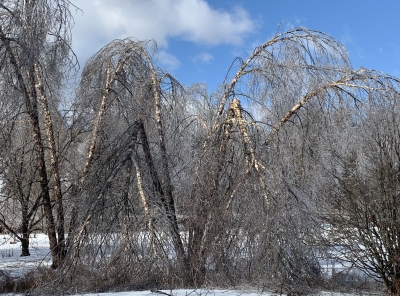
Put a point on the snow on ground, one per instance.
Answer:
(12, 262)
(202, 292)
(198, 292)
(10, 254)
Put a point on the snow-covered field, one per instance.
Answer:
(10, 254)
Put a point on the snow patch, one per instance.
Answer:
(10, 254)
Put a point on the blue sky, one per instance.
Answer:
(199, 39)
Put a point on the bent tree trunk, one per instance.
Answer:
(166, 192)
(44, 186)
(111, 75)
(169, 206)
(54, 164)
(30, 99)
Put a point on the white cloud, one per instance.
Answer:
(204, 57)
(191, 20)
(168, 60)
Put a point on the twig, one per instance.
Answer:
(160, 292)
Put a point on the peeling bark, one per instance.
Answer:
(54, 161)
(144, 202)
(30, 100)
(168, 202)
(249, 150)
(110, 78)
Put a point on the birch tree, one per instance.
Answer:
(35, 43)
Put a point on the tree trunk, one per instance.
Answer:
(126, 210)
(42, 171)
(143, 199)
(54, 164)
(127, 157)
(250, 152)
(25, 245)
(110, 78)
(25, 234)
(392, 285)
(169, 206)
(396, 290)
(32, 110)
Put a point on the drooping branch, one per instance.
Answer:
(300, 37)
(9, 229)
(124, 160)
(171, 216)
(301, 103)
